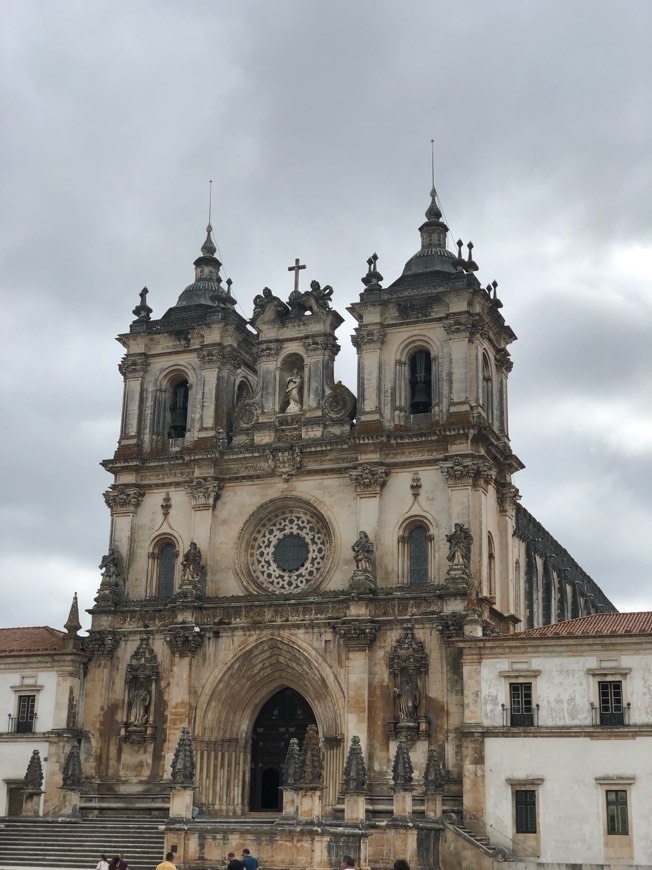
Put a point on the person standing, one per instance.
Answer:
(122, 864)
(115, 861)
(102, 864)
(401, 864)
(249, 861)
(234, 863)
(167, 864)
(347, 862)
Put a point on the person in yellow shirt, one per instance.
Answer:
(167, 864)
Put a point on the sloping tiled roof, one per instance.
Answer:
(31, 640)
(596, 625)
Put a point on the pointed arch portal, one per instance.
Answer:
(287, 714)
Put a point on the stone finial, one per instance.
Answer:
(72, 770)
(72, 624)
(373, 277)
(402, 770)
(470, 265)
(34, 777)
(142, 311)
(355, 770)
(208, 249)
(183, 763)
(311, 762)
(291, 765)
(433, 776)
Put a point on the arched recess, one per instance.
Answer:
(231, 700)
(416, 551)
(172, 407)
(292, 387)
(417, 378)
(487, 388)
(162, 566)
(547, 594)
(491, 566)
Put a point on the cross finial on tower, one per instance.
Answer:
(296, 269)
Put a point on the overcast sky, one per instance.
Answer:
(314, 120)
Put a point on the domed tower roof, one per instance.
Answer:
(207, 288)
(433, 256)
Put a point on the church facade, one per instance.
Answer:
(290, 559)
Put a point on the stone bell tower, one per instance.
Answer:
(433, 365)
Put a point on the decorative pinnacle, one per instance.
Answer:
(470, 265)
(72, 624)
(433, 212)
(208, 249)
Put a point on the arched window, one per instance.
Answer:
(491, 566)
(167, 564)
(420, 382)
(179, 410)
(416, 553)
(418, 556)
(487, 388)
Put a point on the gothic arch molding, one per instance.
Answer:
(226, 712)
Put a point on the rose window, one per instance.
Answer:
(288, 552)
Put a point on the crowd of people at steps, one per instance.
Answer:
(248, 862)
(116, 863)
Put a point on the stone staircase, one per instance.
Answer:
(38, 842)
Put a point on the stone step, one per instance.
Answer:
(53, 843)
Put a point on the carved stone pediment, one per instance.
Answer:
(357, 634)
(184, 639)
(369, 479)
(204, 492)
(101, 644)
(124, 499)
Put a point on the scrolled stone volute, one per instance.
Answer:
(72, 770)
(183, 763)
(402, 770)
(291, 765)
(33, 780)
(312, 765)
(433, 775)
(355, 770)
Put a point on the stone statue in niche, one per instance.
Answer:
(293, 392)
(364, 577)
(139, 704)
(191, 567)
(141, 680)
(110, 590)
(407, 697)
(363, 552)
(109, 565)
(459, 547)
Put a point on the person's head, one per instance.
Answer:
(103, 857)
(169, 856)
(231, 856)
(401, 864)
(246, 852)
(347, 861)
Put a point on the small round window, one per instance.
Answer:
(291, 553)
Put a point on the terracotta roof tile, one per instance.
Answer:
(31, 640)
(596, 625)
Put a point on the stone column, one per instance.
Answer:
(204, 493)
(357, 632)
(123, 500)
(368, 341)
(472, 732)
(209, 357)
(184, 643)
(132, 368)
(369, 480)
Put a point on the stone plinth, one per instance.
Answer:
(181, 803)
(69, 804)
(32, 803)
(433, 806)
(290, 803)
(402, 803)
(354, 808)
(309, 803)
